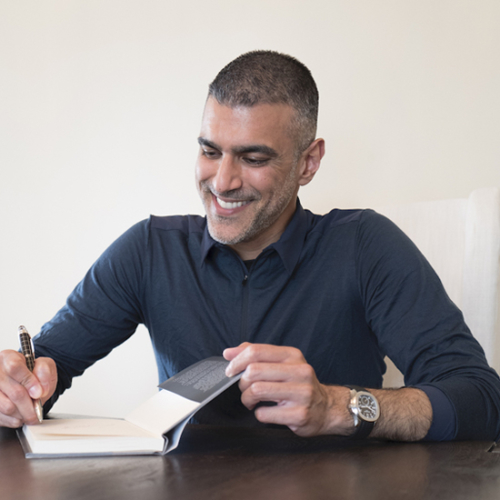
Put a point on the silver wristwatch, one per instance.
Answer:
(365, 411)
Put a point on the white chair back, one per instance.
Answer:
(461, 240)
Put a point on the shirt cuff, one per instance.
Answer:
(444, 417)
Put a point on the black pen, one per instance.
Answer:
(29, 353)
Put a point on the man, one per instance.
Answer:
(312, 303)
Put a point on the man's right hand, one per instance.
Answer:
(19, 387)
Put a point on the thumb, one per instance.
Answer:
(33, 386)
(46, 374)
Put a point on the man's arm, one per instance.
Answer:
(309, 408)
(19, 387)
(101, 312)
(407, 414)
(424, 333)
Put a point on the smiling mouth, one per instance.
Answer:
(230, 205)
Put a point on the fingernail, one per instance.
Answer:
(229, 370)
(35, 392)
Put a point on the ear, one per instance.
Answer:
(312, 159)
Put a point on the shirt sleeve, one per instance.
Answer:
(422, 330)
(444, 416)
(102, 311)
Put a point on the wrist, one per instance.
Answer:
(365, 410)
(339, 420)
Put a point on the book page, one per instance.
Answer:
(74, 437)
(182, 395)
(161, 412)
(83, 428)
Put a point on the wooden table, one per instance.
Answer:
(238, 464)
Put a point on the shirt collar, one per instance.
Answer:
(207, 242)
(288, 246)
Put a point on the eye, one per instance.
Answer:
(255, 162)
(211, 154)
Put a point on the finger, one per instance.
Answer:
(263, 353)
(13, 423)
(291, 394)
(9, 416)
(19, 397)
(231, 352)
(19, 385)
(46, 372)
(298, 419)
(14, 367)
(277, 372)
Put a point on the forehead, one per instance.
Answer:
(241, 125)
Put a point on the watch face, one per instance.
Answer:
(368, 407)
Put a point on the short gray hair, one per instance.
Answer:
(268, 77)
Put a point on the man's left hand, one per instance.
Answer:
(282, 375)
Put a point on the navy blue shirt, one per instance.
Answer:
(346, 288)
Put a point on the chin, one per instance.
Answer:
(224, 235)
(225, 238)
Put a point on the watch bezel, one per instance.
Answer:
(356, 407)
(362, 426)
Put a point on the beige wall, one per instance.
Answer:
(100, 104)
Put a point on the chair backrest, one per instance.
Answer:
(461, 240)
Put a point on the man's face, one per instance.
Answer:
(247, 173)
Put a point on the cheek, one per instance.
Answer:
(202, 169)
(265, 182)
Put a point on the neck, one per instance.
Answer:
(250, 250)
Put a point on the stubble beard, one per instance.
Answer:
(264, 218)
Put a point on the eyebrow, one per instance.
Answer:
(253, 148)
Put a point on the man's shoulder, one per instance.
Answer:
(362, 227)
(186, 224)
(339, 217)
(160, 228)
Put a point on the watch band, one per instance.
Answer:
(364, 428)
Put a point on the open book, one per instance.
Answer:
(153, 428)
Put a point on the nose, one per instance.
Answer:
(228, 175)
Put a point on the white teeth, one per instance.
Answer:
(229, 205)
